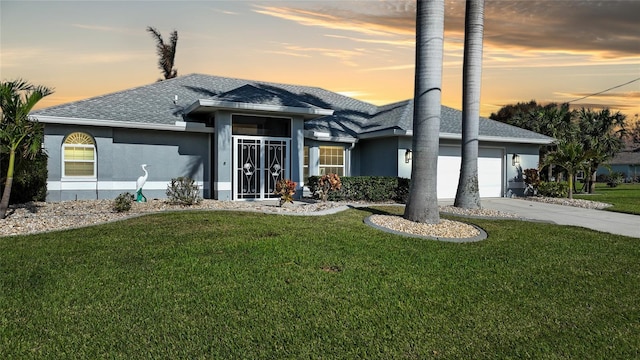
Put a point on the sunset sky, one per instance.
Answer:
(551, 50)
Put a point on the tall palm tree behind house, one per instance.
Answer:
(166, 52)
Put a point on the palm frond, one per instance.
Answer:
(166, 52)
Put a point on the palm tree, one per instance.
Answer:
(468, 192)
(17, 98)
(633, 132)
(422, 205)
(571, 156)
(602, 133)
(166, 52)
(554, 120)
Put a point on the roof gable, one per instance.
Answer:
(259, 95)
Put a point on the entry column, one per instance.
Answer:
(222, 157)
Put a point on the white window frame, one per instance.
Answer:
(94, 161)
(306, 169)
(321, 165)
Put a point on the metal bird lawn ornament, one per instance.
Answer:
(140, 183)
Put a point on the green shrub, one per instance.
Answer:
(29, 178)
(615, 179)
(183, 191)
(122, 203)
(553, 189)
(366, 188)
(402, 191)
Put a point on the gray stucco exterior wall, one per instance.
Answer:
(528, 156)
(404, 168)
(379, 157)
(119, 154)
(297, 151)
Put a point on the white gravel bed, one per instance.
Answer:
(480, 213)
(587, 204)
(444, 229)
(41, 217)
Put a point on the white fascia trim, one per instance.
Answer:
(230, 105)
(323, 136)
(178, 126)
(453, 136)
(385, 133)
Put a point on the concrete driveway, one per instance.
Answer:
(600, 220)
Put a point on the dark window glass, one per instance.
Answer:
(261, 126)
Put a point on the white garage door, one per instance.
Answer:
(489, 172)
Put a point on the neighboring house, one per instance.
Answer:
(236, 138)
(626, 162)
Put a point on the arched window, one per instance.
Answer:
(79, 156)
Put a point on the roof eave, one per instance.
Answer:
(307, 113)
(177, 126)
(505, 139)
(454, 136)
(385, 133)
(325, 136)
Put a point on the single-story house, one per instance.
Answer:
(236, 138)
(626, 162)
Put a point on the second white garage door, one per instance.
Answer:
(489, 172)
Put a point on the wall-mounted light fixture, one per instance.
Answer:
(515, 160)
(407, 156)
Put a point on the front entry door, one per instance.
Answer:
(259, 162)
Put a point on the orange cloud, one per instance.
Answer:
(577, 27)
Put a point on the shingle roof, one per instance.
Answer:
(252, 94)
(400, 116)
(154, 104)
(629, 156)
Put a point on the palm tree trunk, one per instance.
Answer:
(571, 178)
(592, 180)
(422, 205)
(6, 195)
(468, 192)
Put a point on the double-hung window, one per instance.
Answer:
(332, 160)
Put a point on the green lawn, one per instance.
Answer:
(625, 197)
(232, 285)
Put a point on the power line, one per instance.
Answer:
(604, 91)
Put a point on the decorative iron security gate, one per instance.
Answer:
(259, 162)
